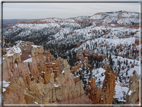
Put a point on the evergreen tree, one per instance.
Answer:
(134, 72)
(111, 62)
(97, 64)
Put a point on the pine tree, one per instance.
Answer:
(97, 64)
(126, 72)
(111, 62)
(107, 55)
(87, 71)
(134, 72)
(80, 77)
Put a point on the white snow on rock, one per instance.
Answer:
(111, 42)
(130, 92)
(119, 92)
(63, 71)
(37, 26)
(127, 21)
(129, 14)
(16, 49)
(54, 20)
(28, 60)
(55, 85)
(99, 16)
(30, 56)
(111, 18)
(36, 102)
(112, 24)
(122, 41)
(35, 46)
(16, 64)
(9, 54)
(62, 32)
(130, 71)
(5, 84)
(43, 72)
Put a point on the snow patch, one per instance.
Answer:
(55, 85)
(130, 92)
(36, 102)
(28, 60)
(35, 46)
(16, 49)
(63, 71)
(98, 16)
(119, 92)
(99, 74)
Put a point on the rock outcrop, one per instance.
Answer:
(82, 57)
(14, 93)
(104, 95)
(132, 96)
(89, 54)
(39, 78)
(81, 60)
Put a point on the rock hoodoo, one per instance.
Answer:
(38, 78)
(132, 96)
(104, 95)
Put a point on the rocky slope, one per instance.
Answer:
(71, 31)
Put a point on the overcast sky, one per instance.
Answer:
(62, 10)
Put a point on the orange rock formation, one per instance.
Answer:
(42, 80)
(104, 95)
(132, 96)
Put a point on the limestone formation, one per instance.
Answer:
(39, 78)
(132, 96)
(14, 93)
(76, 79)
(89, 54)
(82, 57)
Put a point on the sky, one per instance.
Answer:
(62, 10)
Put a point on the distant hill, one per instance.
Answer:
(9, 22)
(12, 21)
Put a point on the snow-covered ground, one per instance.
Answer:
(120, 92)
(99, 75)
